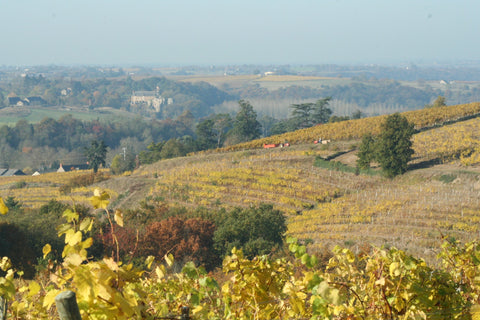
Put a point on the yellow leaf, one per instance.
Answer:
(160, 272)
(49, 298)
(86, 224)
(74, 259)
(197, 309)
(5, 264)
(395, 269)
(475, 311)
(118, 217)
(104, 292)
(111, 264)
(126, 306)
(100, 200)
(46, 250)
(149, 261)
(380, 282)
(34, 288)
(72, 238)
(3, 207)
(87, 243)
(169, 259)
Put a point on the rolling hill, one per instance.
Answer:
(437, 198)
(325, 206)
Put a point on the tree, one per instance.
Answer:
(358, 114)
(301, 115)
(153, 154)
(256, 230)
(222, 123)
(122, 163)
(439, 102)
(96, 154)
(206, 138)
(321, 113)
(394, 145)
(306, 115)
(172, 148)
(245, 126)
(366, 151)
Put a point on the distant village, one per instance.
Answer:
(149, 100)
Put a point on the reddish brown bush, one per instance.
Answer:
(187, 240)
(127, 242)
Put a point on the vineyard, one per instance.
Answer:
(324, 206)
(390, 232)
(355, 129)
(35, 191)
(379, 284)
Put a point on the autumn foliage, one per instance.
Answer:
(187, 240)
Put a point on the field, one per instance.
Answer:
(437, 198)
(10, 116)
(271, 82)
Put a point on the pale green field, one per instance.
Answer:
(35, 115)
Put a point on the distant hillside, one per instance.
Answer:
(198, 98)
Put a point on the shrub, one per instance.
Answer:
(187, 240)
(14, 244)
(256, 230)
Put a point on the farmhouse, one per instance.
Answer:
(35, 101)
(10, 172)
(15, 102)
(30, 101)
(72, 167)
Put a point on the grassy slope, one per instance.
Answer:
(11, 115)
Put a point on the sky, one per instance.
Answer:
(226, 32)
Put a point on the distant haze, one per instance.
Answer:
(187, 32)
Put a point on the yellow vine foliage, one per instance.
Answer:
(355, 129)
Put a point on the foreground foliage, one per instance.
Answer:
(379, 284)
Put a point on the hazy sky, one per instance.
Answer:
(187, 32)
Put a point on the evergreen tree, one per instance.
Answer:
(206, 137)
(152, 154)
(96, 154)
(366, 151)
(306, 115)
(301, 115)
(321, 113)
(246, 126)
(394, 145)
